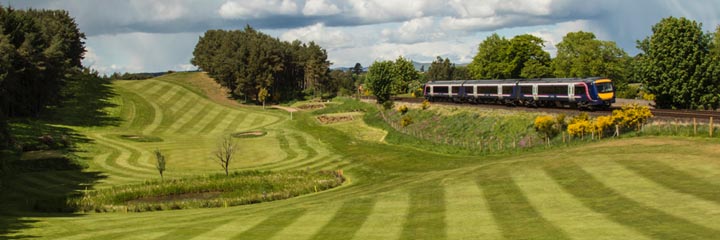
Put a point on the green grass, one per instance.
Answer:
(629, 188)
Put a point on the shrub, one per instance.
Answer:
(405, 121)
(632, 115)
(403, 109)
(387, 105)
(579, 128)
(425, 104)
(601, 124)
(545, 125)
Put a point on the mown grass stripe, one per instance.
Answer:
(142, 110)
(386, 219)
(565, 211)
(185, 118)
(468, 215)
(173, 99)
(512, 210)
(192, 230)
(347, 220)
(271, 226)
(194, 121)
(232, 227)
(600, 198)
(227, 119)
(236, 122)
(175, 115)
(214, 122)
(635, 186)
(426, 213)
(672, 178)
(181, 106)
(306, 226)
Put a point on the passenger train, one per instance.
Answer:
(582, 93)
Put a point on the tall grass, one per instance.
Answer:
(238, 188)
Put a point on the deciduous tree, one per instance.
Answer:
(380, 79)
(677, 67)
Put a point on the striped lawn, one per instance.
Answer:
(614, 189)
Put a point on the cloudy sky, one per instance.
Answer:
(148, 36)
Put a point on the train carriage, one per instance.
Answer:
(587, 93)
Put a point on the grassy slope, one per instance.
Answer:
(619, 189)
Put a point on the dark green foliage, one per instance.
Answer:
(380, 80)
(580, 54)
(677, 66)
(521, 56)
(39, 49)
(404, 74)
(246, 61)
(440, 69)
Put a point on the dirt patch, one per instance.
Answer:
(312, 106)
(328, 119)
(249, 134)
(177, 197)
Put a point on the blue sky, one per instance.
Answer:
(148, 36)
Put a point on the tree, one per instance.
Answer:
(440, 69)
(357, 69)
(380, 79)
(521, 56)
(160, 162)
(491, 60)
(404, 73)
(225, 151)
(525, 51)
(263, 95)
(677, 67)
(580, 54)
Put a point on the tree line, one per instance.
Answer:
(40, 52)
(679, 64)
(256, 66)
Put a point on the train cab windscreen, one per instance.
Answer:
(604, 87)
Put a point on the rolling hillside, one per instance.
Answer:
(638, 188)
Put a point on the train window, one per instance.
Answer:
(487, 89)
(554, 90)
(438, 89)
(526, 89)
(468, 89)
(507, 89)
(604, 87)
(579, 90)
(455, 90)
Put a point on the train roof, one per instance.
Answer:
(513, 81)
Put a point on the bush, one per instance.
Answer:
(403, 109)
(425, 104)
(630, 91)
(387, 105)
(632, 115)
(405, 121)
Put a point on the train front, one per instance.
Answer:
(605, 91)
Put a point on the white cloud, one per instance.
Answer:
(319, 8)
(554, 34)
(415, 30)
(257, 8)
(161, 10)
(328, 38)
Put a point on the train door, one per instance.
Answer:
(571, 92)
(535, 92)
(499, 92)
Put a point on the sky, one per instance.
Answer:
(154, 36)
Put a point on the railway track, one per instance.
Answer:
(666, 114)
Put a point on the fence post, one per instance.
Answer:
(711, 126)
(694, 126)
